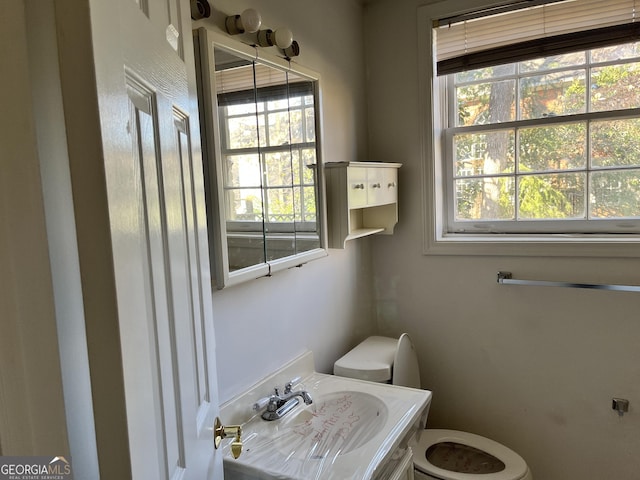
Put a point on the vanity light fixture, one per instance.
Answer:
(200, 9)
(292, 50)
(281, 37)
(248, 21)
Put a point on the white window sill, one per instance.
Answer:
(533, 245)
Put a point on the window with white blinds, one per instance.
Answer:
(511, 32)
(540, 120)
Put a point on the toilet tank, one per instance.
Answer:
(382, 359)
(371, 360)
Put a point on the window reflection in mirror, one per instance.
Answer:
(239, 150)
(266, 189)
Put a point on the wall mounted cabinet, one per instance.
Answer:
(362, 199)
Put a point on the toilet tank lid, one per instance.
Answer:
(371, 360)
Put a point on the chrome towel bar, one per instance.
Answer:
(505, 278)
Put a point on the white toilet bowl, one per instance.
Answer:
(453, 455)
(437, 454)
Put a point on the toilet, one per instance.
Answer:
(437, 453)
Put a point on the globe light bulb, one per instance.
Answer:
(250, 20)
(283, 38)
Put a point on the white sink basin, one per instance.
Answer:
(335, 424)
(348, 432)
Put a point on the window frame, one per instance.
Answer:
(437, 240)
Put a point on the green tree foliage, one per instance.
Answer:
(548, 156)
(557, 196)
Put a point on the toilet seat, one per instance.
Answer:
(515, 467)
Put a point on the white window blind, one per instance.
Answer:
(459, 37)
(247, 77)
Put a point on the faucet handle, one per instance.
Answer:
(291, 383)
(262, 403)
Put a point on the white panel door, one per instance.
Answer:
(149, 124)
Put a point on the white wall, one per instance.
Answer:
(61, 233)
(325, 306)
(32, 409)
(532, 367)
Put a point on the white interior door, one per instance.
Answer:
(149, 125)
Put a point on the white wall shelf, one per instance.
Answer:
(362, 199)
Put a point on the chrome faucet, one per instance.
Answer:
(279, 405)
(282, 399)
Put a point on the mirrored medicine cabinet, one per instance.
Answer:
(261, 147)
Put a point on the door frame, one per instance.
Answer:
(32, 416)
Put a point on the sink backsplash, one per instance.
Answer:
(239, 410)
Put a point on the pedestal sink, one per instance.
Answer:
(350, 431)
